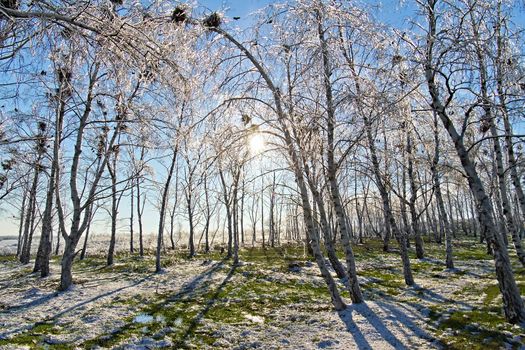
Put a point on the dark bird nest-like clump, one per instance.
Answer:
(484, 125)
(64, 75)
(214, 20)
(10, 4)
(179, 15)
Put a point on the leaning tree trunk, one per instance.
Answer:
(511, 156)
(354, 289)
(500, 169)
(407, 271)
(325, 227)
(84, 246)
(403, 205)
(512, 303)
(449, 260)
(298, 172)
(79, 223)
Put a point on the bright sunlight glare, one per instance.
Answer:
(256, 143)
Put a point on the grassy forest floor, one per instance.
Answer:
(274, 299)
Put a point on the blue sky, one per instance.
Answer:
(241, 8)
(389, 11)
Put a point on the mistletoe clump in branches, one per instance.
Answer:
(214, 20)
(10, 4)
(179, 15)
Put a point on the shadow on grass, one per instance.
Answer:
(193, 285)
(202, 314)
(198, 285)
(26, 307)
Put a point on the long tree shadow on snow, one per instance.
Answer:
(186, 289)
(347, 316)
(401, 316)
(48, 296)
(209, 304)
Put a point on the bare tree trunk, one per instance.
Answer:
(359, 212)
(254, 209)
(512, 302)
(44, 247)
(112, 169)
(325, 227)
(208, 216)
(453, 224)
(79, 223)
(242, 213)
(449, 260)
(21, 224)
(165, 193)
(191, 244)
(57, 246)
(354, 289)
(498, 215)
(404, 225)
(30, 217)
(420, 252)
(511, 157)
(140, 206)
(487, 107)
(272, 214)
(475, 221)
(387, 233)
(140, 210)
(84, 247)
(227, 204)
(298, 171)
(174, 208)
(235, 208)
(262, 213)
(131, 218)
(407, 271)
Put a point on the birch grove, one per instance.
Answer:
(161, 126)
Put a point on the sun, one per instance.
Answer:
(256, 143)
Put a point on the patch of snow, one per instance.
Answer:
(253, 318)
(178, 322)
(143, 318)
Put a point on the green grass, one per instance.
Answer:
(264, 285)
(228, 303)
(481, 329)
(36, 336)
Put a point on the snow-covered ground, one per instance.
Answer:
(209, 304)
